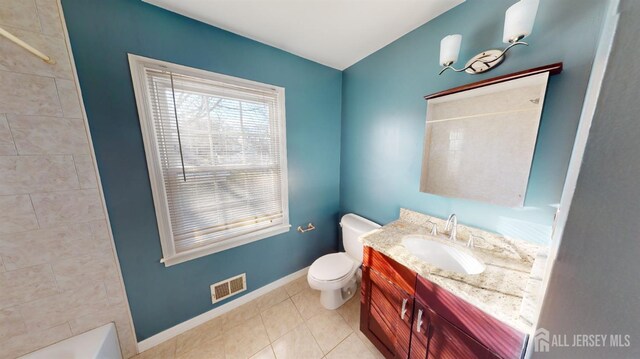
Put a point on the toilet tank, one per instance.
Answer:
(353, 226)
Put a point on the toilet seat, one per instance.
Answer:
(332, 267)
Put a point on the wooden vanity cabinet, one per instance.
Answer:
(407, 316)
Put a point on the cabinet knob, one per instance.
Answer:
(404, 309)
(419, 322)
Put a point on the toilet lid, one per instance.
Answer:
(331, 267)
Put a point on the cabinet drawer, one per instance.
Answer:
(481, 327)
(395, 272)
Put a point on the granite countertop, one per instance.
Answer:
(507, 289)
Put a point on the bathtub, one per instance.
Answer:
(99, 343)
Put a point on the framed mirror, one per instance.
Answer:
(480, 138)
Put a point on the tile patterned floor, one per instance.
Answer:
(286, 323)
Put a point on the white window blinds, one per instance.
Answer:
(218, 145)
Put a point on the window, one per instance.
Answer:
(216, 153)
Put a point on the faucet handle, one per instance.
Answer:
(470, 243)
(434, 229)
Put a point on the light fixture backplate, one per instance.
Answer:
(489, 59)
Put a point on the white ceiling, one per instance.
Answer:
(336, 33)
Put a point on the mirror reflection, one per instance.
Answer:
(479, 143)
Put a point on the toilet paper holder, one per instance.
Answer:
(310, 227)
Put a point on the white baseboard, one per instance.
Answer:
(215, 312)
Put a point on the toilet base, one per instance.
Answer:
(333, 299)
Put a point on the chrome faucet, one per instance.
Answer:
(453, 222)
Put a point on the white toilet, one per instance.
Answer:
(335, 275)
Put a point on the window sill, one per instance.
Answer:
(223, 246)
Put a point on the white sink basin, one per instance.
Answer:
(441, 255)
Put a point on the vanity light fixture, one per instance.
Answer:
(518, 24)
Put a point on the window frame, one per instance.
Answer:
(137, 66)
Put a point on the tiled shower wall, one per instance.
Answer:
(58, 273)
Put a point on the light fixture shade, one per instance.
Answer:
(518, 20)
(449, 49)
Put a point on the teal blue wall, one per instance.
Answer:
(383, 112)
(102, 33)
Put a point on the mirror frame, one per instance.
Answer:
(552, 69)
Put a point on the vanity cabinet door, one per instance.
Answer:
(386, 314)
(419, 331)
(491, 333)
(446, 341)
